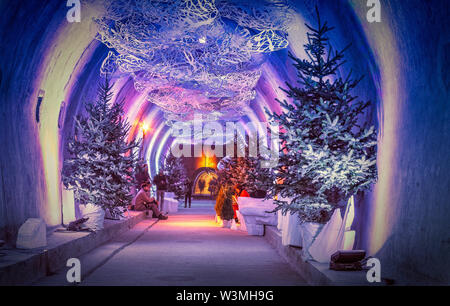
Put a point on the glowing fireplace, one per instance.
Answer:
(202, 182)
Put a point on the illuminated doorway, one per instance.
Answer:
(202, 182)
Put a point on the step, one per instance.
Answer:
(313, 272)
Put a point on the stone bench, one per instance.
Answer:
(170, 203)
(23, 267)
(253, 214)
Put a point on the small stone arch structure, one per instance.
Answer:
(204, 174)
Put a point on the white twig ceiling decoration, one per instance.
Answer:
(190, 56)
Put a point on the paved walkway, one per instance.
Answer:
(188, 249)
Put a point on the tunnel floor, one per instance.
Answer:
(187, 249)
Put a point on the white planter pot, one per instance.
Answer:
(242, 225)
(234, 225)
(280, 220)
(335, 235)
(170, 195)
(291, 232)
(328, 241)
(310, 230)
(96, 216)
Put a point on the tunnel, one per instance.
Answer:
(49, 67)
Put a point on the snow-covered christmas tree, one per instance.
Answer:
(229, 170)
(239, 171)
(326, 154)
(176, 175)
(101, 163)
(235, 172)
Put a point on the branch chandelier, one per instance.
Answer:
(193, 56)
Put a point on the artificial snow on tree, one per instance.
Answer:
(326, 155)
(100, 167)
(176, 175)
(260, 180)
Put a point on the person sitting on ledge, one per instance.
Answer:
(143, 202)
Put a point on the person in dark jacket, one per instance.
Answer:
(188, 193)
(161, 186)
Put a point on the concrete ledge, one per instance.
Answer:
(313, 272)
(23, 267)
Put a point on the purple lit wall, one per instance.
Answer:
(406, 63)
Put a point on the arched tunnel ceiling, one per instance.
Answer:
(274, 68)
(69, 59)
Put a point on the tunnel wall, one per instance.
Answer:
(403, 221)
(22, 189)
(417, 200)
(46, 61)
